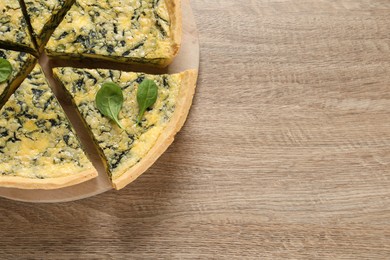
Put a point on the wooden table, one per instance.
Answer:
(286, 152)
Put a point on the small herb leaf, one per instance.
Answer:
(5, 70)
(109, 101)
(146, 96)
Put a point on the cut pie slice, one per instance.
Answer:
(38, 146)
(128, 152)
(147, 32)
(14, 33)
(22, 64)
(44, 16)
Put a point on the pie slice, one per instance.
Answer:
(22, 64)
(127, 31)
(14, 33)
(130, 151)
(38, 146)
(44, 16)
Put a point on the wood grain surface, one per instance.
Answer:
(285, 154)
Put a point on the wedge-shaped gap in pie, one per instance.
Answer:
(14, 34)
(44, 17)
(142, 32)
(88, 63)
(39, 148)
(130, 151)
(22, 63)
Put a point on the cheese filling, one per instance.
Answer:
(126, 30)
(13, 26)
(36, 138)
(122, 148)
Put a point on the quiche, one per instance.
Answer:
(44, 16)
(13, 27)
(126, 31)
(128, 152)
(38, 146)
(22, 64)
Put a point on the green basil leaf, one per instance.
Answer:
(109, 101)
(5, 70)
(146, 96)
